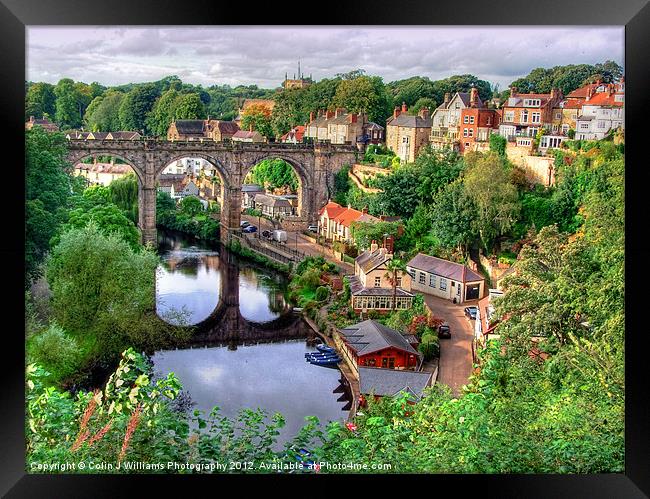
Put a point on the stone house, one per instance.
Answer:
(406, 135)
(444, 279)
(371, 285)
(123, 135)
(445, 120)
(339, 126)
(102, 173)
(43, 122)
(317, 128)
(248, 136)
(273, 206)
(249, 191)
(216, 130)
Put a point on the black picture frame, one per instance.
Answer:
(15, 15)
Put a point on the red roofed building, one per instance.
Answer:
(334, 221)
(294, 136)
(524, 114)
(602, 112)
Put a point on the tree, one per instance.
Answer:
(394, 267)
(275, 174)
(419, 225)
(47, 191)
(162, 114)
(366, 232)
(124, 193)
(498, 144)
(411, 91)
(421, 103)
(191, 205)
(452, 217)
(67, 113)
(400, 191)
(40, 101)
(258, 118)
(487, 183)
(436, 169)
(189, 107)
(103, 112)
(135, 107)
(364, 94)
(109, 219)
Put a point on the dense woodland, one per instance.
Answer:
(548, 396)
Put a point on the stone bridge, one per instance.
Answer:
(315, 165)
(226, 325)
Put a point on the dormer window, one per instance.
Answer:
(532, 102)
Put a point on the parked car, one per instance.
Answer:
(470, 312)
(444, 331)
(313, 228)
(244, 223)
(267, 234)
(249, 229)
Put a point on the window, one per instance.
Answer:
(384, 362)
(405, 140)
(532, 102)
(601, 124)
(536, 117)
(471, 120)
(422, 277)
(465, 119)
(391, 362)
(465, 132)
(558, 116)
(471, 132)
(377, 281)
(432, 281)
(410, 272)
(510, 116)
(399, 282)
(443, 284)
(524, 116)
(584, 126)
(467, 144)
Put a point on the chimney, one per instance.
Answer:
(447, 97)
(473, 97)
(404, 108)
(424, 113)
(250, 127)
(374, 246)
(364, 209)
(311, 116)
(513, 91)
(340, 111)
(389, 244)
(352, 118)
(396, 112)
(329, 114)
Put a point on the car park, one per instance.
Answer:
(444, 331)
(249, 229)
(471, 312)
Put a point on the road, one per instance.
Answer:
(297, 241)
(456, 352)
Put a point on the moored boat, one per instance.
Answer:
(325, 348)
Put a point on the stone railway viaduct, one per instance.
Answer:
(315, 165)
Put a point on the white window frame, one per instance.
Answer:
(443, 284)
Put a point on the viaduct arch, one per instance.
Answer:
(315, 165)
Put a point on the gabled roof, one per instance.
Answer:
(408, 121)
(252, 188)
(190, 127)
(297, 132)
(227, 127)
(332, 209)
(444, 268)
(123, 135)
(369, 260)
(357, 289)
(389, 382)
(244, 134)
(370, 336)
(583, 92)
(603, 99)
(271, 200)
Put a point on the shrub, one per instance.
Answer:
(56, 351)
(430, 346)
(322, 293)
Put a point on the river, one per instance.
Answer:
(249, 346)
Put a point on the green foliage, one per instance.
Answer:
(429, 346)
(189, 107)
(40, 101)
(124, 193)
(136, 106)
(103, 112)
(162, 113)
(364, 94)
(453, 216)
(366, 232)
(274, 174)
(191, 205)
(342, 185)
(498, 144)
(109, 219)
(258, 118)
(55, 350)
(47, 193)
(322, 293)
(68, 104)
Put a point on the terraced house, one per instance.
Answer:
(335, 221)
(406, 135)
(523, 115)
(445, 121)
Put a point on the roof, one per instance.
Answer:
(582, 92)
(332, 209)
(463, 96)
(244, 134)
(371, 125)
(408, 121)
(296, 133)
(603, 99)
(271, 200)
(227, 127)
(444, 268)
(357, 289)
(370, 336)
(252, 188)
(518, 100)
(113, 168)
(123, 135)
(369, 260)
(190, 127)
(389, 382)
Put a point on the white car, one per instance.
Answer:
(313, 228)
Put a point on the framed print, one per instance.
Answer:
(384, 243)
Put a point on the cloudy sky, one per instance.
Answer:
(255, 55)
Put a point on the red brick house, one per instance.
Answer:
(476, 124)
(525, 114)
(371, 344)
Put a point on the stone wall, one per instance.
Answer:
(539, 169)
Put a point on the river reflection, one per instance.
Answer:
(189, 282)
